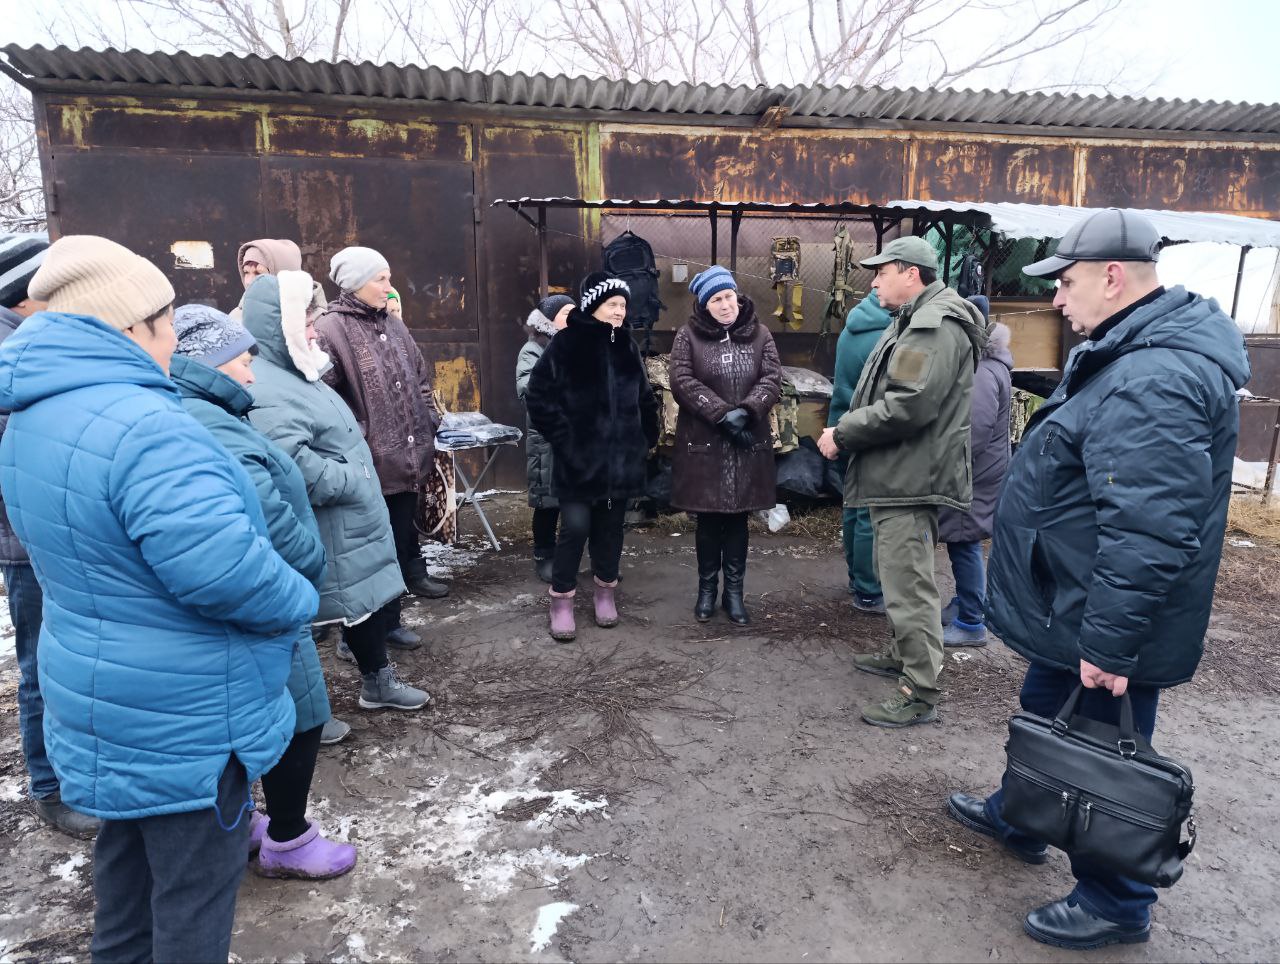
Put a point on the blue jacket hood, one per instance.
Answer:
(1182, 320)
(197, 380)
(54, 353)
(867, 315)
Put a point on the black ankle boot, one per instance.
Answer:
(735, 571)
(708, 546)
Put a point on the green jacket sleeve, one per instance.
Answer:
(920, 375)
(525, 361)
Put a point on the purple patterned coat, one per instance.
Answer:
(713, 372)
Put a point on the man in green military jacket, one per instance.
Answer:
(907, 436)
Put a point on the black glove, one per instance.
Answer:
(735, 421)
(743, 439)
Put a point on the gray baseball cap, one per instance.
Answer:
(1110, 235)
(910, 249)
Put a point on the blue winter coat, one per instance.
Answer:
(221, 405)
(1108, 532)
(863, 327)
(169, 621)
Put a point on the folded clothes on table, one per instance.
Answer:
(468, 430)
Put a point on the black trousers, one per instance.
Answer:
(597, 524)
(716, 533)
(544, 532)
(287, 785)
(166, 886)
(368, 640)
(402, 507)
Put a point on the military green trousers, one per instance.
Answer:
(905, 537)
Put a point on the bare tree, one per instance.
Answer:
(21, 189)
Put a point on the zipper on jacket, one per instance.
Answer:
(1048, 440)
(612, 331)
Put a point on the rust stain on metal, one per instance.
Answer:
(750, 166)
(994, 170)
(366, 137)
(1184, 178)
(456, 380)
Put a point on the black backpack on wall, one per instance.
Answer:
(629, 257)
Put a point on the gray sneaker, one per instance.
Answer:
(343, 651)
(962, 634)
(65, 820)
(334, 731)
(384, 689)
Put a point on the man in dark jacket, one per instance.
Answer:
(862, 329)
(907, 435)
(1109, 530)
(20, 256)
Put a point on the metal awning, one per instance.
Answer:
(1038, 221)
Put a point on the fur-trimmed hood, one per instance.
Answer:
(997, 346)
(538, 324)
(275, 312)
(742, 330)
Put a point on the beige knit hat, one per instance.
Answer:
(87, 275)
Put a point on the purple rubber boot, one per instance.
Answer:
(257, 830)
(606, 606)
(563, 628)
(309, 857)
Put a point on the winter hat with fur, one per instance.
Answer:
(209, 336)
(86, 275)
(543, 318)
(20, 257)
(597, 288)
(352, 268)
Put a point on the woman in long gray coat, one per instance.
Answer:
(725, 376)
(212, 368)
(551, 315)
(964, 532)
(306, 418)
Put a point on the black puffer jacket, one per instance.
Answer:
(1108, 532)
(589, 396)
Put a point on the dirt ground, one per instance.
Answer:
(669, 791)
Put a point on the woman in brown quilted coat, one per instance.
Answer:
(726, 376)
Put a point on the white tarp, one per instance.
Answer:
(1053, 221)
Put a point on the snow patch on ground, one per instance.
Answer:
(549, 918)
(6, 628)
(449, 823)
(443, 560)
(69, 870)
(11, 791)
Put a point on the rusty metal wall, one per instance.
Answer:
(416, 181)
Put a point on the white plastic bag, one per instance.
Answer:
(778, 518)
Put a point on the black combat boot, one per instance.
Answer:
(418, 582)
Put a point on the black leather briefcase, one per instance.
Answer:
(1099, 792)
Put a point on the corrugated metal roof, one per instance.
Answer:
(1008, 219)
(231, 72)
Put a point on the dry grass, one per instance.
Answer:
(911, 808)
(1248, 515)
(1242, 654)
(978, 685)
(592, 704)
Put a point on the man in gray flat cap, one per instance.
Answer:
(1109, 529)
(907, 435)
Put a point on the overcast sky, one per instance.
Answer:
(1188, 49)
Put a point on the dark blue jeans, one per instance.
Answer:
(969, 570)
(1101, 892)
(859, 553)
(25, 604)
(166, 886)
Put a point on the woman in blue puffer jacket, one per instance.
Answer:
(212, 368)
(169, 619)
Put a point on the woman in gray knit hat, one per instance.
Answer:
(392, 401)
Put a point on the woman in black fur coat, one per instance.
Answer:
(589, 397)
